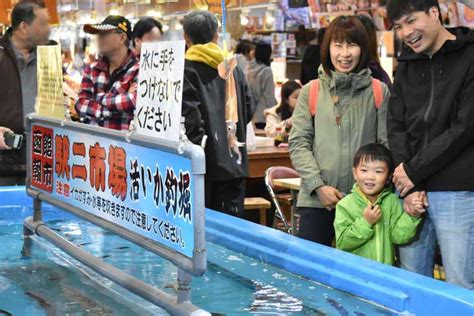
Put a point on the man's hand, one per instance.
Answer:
(415, 204)
(133, 88)
(329, 196)
(403, 184)
(3, 131)
(372, 214)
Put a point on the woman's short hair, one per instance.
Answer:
(345, 29)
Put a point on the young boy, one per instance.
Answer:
(370, 220)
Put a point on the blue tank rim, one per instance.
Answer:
(391, 287)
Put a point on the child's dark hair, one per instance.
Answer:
(374, 152)
(399, 8)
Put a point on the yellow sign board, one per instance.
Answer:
(50, 99)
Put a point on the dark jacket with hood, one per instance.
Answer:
(431, 116)
(204, 112)
(11, 107)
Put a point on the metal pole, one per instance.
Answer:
(184, 286)
(37, 214)
(27, 232)
(118, 230)
(134, 285)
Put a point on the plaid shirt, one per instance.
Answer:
(106, 101)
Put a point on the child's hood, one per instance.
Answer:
(362, 198)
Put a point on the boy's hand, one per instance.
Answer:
(329, 196)
(372, 214)
(415, 204)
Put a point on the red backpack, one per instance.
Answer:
(314, 94)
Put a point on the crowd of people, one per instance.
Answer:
(382, 164)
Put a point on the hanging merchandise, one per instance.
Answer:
(299, 16)
(226, 72)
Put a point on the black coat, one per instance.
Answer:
(310, 64)
(11, 107)
(431, 116)
(204, 112)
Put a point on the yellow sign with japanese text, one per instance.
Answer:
(50, 99)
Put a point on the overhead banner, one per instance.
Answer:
(145, 190)
(50, 99)
(160, 90)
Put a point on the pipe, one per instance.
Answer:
(141, 241)
(134, 285)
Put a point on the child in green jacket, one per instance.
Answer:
(371, 219)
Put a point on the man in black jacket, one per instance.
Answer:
(204, 108)
(431, 135)
(18, 86)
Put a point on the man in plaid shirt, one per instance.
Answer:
(108, 95)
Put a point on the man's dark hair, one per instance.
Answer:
(263, 53)
(399, 8)
(24, 12)
(143, 26)
(200, 26)
(374, 152)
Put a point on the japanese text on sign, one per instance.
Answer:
(160, 90)
(145, 190)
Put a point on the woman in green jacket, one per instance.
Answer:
(348, 110)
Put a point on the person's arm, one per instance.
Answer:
(122, 99)
(86, 106)
(268, 88)
(249, 106)
(403, 227)
(397, 132)
(272, 123)
(447, 146)
(351, 233)
(190, 110)
(382, 118)
(301, 143)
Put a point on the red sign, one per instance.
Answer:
(42, 173)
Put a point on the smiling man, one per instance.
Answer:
(431, 135)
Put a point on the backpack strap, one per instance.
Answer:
(378, 92)
(313, 96)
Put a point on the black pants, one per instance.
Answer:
(317, 224)
(227, 197)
